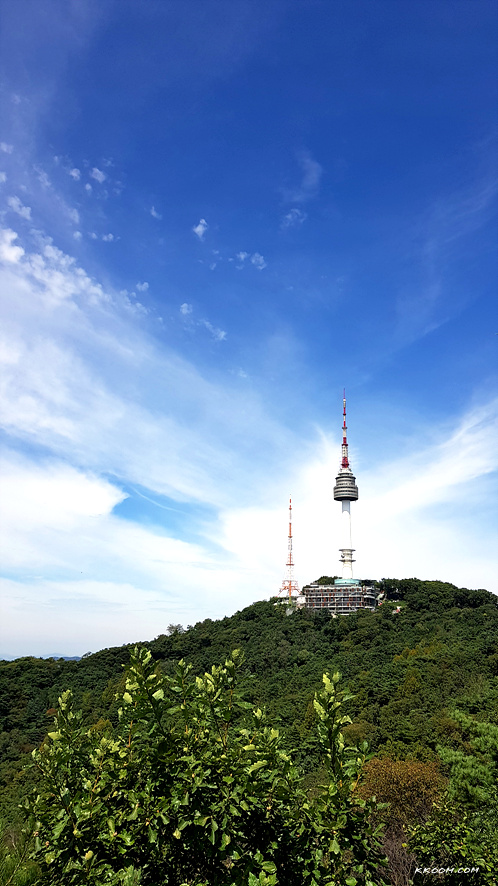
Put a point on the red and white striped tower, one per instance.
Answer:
(289, 585)
(346, 491)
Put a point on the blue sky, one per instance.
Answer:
(214, 216)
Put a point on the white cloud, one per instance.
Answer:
(76, 174)
(51, 495)
(142, 287)
(111, 572)
(185, 309)
(108, 238)
(218, 334)
(43, 178)
(293, 218)
(8, 252)
(155, 214)
(17, 206)
(3, 177)
(201, 228)
(77, 235)
(258, 261)
(98, 175)
(312, 173)
(7, 149)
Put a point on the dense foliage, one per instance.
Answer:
(188, 790)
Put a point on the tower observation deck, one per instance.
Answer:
(346, 491)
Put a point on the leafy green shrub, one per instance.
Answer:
(193, 787)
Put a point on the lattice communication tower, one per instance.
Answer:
(289, 585)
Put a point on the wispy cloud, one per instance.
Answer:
(218, 334)
(98, 175)
(52, 389)
(17, 206)
(201, 228)
(73, 215)
(438, 234)
(155, 214)
(43, 178)
(310, 182)
(293, 219)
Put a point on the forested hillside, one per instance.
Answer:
(407, 670)
(421, 677)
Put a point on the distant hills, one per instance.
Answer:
(55, 655)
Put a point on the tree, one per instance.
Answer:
(193, 788)
(408, 790)
(462, 831)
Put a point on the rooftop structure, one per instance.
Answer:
(340, 596)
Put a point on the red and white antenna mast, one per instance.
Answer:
(289, 584)
(345, 459)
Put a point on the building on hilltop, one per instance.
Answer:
(339, 596)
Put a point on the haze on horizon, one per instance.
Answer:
(214, 216)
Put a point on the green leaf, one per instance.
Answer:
(271, 868)
(258, 765)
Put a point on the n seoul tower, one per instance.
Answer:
(346, 490)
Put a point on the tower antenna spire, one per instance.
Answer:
(289, 585)
(345, 459)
